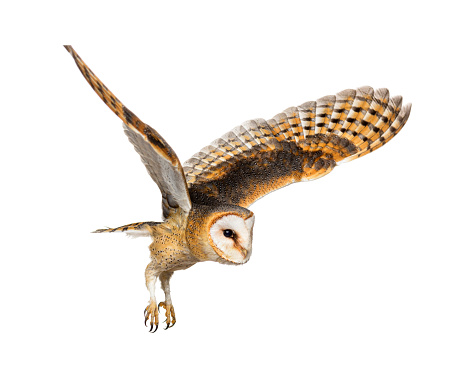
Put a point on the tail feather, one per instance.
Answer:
(134, 229)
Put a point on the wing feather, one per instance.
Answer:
(300, 144)
(324, 111)
(158, 157)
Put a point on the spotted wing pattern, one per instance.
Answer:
(158, 157)
(300, 144)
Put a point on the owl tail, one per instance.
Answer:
(140, 229)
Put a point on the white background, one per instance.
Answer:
(368, 266)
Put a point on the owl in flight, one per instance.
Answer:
(205, 200)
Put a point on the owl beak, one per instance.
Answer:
(244, 252)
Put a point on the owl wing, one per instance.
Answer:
(159, 158)
(300, 144)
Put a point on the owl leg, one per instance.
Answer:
(167, 305)
(151, 311)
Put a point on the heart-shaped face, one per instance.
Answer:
(231, 236)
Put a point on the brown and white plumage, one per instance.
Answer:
(161, 161)
(300, 144)
(204, 201)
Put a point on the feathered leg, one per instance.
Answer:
(151, 311)
(167, 305)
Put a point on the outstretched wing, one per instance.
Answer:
(300, 144)
(160, 160)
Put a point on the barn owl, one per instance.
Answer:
(205, 200)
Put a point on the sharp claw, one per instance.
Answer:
(156, 327)
(151, 315)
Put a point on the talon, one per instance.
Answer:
(151, 314)
(156, 326)
(169, 313)
(173, 316)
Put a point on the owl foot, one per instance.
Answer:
(169, 313)
(151, 312)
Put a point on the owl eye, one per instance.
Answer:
(228, 233)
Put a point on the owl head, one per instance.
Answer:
(223, 234)
(230, 235)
